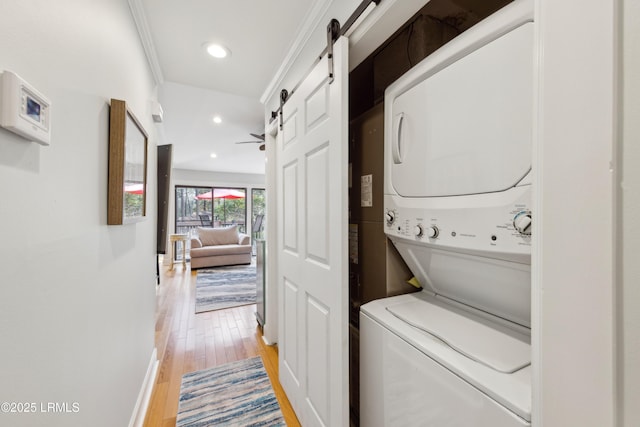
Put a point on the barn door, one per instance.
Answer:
(312, 244)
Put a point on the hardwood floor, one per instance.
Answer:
(189, 342)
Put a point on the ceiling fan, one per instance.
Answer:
(260, 140)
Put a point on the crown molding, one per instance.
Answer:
(137, 11)
(310, 23)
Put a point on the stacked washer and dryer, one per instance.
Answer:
(458, 135)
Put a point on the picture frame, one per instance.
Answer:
(128, 145)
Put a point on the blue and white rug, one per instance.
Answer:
(225, 287)
(235, 394)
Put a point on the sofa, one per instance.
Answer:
(214, 247)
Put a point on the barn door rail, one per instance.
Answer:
(334, 31)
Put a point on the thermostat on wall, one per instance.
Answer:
(24, 110)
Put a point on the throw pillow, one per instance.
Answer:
(218, 236)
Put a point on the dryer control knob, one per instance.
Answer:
(522, 222)
(418, 231)
(390, 216)
(433, 232)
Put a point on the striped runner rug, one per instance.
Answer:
(235, 394)
(225, 287)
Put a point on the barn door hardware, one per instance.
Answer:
(333, 32)
(284, 95)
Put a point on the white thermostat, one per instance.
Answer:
(24, 110)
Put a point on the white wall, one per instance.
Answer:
(270, 329)
(628, 226)
(218, 179)
(77, 297)
(573, 262)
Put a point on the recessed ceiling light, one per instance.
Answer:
(217, 50)
(214, 155)
(217, 120)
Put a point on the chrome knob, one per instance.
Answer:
(522, 222)
(390, 216)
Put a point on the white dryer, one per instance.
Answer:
(458, 134)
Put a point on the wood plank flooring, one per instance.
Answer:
(188, 342)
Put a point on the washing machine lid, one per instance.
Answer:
(485, 342)
(512, 390)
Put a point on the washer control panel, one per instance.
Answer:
(495, 222)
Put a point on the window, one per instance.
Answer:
(208, 207)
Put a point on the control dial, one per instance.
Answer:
(418, 231)
(522, 222)
(390, 216)
(433, 232)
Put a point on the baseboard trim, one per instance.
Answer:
(266, 341)
(142, 404)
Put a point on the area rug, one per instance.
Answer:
(235, 394)
(224, 287)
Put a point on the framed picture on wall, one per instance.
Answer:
(127, 194)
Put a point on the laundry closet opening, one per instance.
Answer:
(376, 270)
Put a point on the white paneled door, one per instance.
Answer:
(312, 245)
